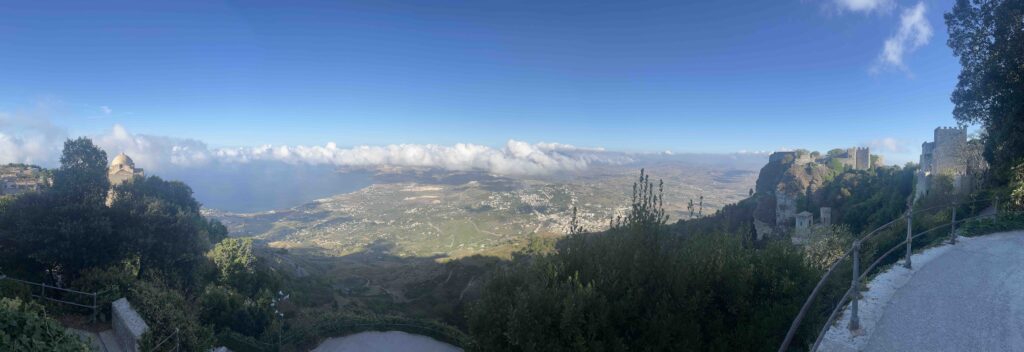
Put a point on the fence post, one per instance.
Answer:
(910, 236)
(854, 289)
(952, 227)
(94, 312)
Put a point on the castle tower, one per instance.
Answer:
(948, 149)
(826, 216)
(802, 230)
(862, 158)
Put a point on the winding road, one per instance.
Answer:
(969, 298)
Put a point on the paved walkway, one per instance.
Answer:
(103, 341)
(970, 298)
(388, 341)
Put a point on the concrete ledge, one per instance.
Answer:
(128, 325)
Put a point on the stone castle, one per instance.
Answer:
(948, 154)
(857, 158)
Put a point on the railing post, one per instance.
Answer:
(854, 289)
(952, 227)
(94, 312)
(910, 230)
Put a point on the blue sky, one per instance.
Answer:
(707, 76)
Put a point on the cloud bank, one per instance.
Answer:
(514, 158)
(913, 33)
(29, 137)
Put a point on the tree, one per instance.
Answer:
(163, 228)
(639, 286)
(67, 228)
(82, 176)
(236, 263)
(988, 38)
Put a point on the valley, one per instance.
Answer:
(444, 214)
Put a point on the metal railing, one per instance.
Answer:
(858, 276)
(92, 297)
(177, 341)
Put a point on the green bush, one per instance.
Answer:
(225, 308)
(112, 282)
(642, 287)
(166, 312)
(24, 327)
(1001, 223)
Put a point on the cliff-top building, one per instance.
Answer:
(122, 169)
(948, 154)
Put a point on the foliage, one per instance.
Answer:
(114, 281)
(988, 37)
(60, 231)
(641, 287)
(225, 308)
(164, 229)
(830, 244)
(941, 192)
(165, 311)
(235, 261)
(82, 177)
(864, 200)
(1017, 188)
(24, 327)
(1002, 222)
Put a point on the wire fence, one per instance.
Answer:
(64, 296)
(853, 257)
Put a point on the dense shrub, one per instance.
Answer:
(225, 308)
(1001, 223)
(167, 313)
(641, 287)
(24, 327)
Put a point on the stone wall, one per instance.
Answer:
(128, 325)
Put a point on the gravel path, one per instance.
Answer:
(971, 298)
(390, 341)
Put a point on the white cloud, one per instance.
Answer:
(106, 110)
(515, 158)
(29, 137)
(866, 6)
(887, 144)
(914, 32)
